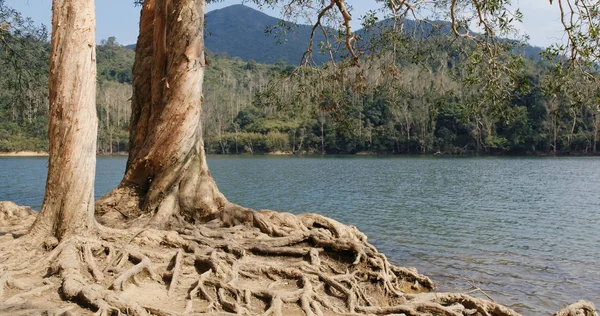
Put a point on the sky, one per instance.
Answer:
(120, 18)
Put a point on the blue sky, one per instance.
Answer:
(120, 17)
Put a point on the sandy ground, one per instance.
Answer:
(23, 154)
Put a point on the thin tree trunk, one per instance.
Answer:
(570, 138)
(555, 134)
(322, 137)
(108, 129)
(408, 127)
(596, 128)
(166, 171)
(68, 206)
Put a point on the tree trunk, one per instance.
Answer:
(108, 129)
(322, 136)
(572, 132)
(596, 128)
(68, 206)
(166, 171)
(555, 134)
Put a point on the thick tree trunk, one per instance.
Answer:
(68, 206)
(166, 171)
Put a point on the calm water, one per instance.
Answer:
(525, 230)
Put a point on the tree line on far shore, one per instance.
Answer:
(392, 104)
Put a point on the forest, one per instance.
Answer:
(425, 102)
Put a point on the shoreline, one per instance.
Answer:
(361, 153)
(45, 154)
(24, 154)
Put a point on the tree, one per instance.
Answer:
(166, 172)
(68, 207)
(67, 213)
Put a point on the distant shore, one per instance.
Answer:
(45, 154)
(360, 153)
(24, 154)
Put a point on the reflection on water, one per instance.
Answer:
(525, 230)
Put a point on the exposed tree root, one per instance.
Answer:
(7, 281)
(14, 219)
(174, 273)
(259, 263)
(144, 264)
(581, 308)
(79, 288)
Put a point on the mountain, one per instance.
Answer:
(241, 31)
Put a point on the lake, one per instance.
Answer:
(525, 230)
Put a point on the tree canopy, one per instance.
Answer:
(537, 107)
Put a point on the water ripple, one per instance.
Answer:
(525, 230)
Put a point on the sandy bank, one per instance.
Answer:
(23, 154)
(280, 153)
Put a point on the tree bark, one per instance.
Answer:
(166, 171)
(68, 206)
(596, 129)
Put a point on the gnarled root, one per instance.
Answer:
(14, 219)
(7, 281)
(581, 308)
(174, 273)
(76, 264)
(277, 261)
(259, 263)
(144, 264)
(120, 207)
(76, 287)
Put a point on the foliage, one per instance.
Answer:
(23, 82)
(397, 107)
(421, 95)
(114, 61)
